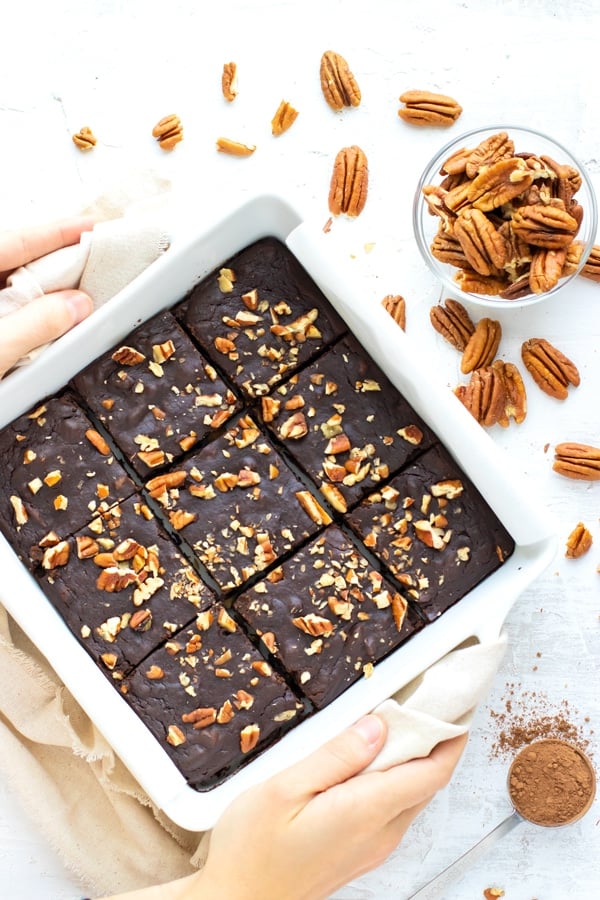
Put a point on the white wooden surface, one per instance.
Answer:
(120, 66)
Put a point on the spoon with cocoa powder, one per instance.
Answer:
(551, 782)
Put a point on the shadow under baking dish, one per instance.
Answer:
(480, 612)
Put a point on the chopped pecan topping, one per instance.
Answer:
(175, 736)
(249, 738)
(429, 108)
(551, 370)
(97, 441)
(201, 717)
(128, 356)
(338, 84)
(314, 625)
(349, 182)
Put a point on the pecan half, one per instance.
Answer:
(495, 394)
(395, 304)
(545, 226)
(446, 247)
(484, 247)
(591, 267)
(453, 322)
(578, 542)
(482, 345)
(551, 370)
(546, 269)
(85, 139)
(578, 461)
(284, 118)
(338, 84)
(491, 150)
(349, 182)
(168, 132)
(428, 108)
(499, 183)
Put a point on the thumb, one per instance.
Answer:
(40, 321)
(338, 760)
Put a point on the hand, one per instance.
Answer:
(308, 831)
(47, 317)
(311, 829)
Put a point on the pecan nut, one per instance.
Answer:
(229, 85)
(234, 148)
(338, 84)
(545, 225)
(484, 247)
(85, 139)
(428, 108)
(578, 542)
(168, 131)
(499, 183)
(551, 370)
(284, 118)
(395, 304)
(453, 322)
(546, 269)
(349, 182)
(591, 267)
(482, 346)
(578, 461)
(495, 394)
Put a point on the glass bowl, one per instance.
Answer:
(433, 220)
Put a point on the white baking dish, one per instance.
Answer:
(194, 253)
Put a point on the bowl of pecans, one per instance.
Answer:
(505, 215)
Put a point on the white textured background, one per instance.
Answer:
(121, 66)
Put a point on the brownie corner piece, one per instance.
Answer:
(260, 316)
(211, 699)
(328, 615)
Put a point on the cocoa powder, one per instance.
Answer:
(527, 716)
(551, 782)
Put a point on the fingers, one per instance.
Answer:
(41, 321)
(20, 247)
(413, 783)
(341, 758)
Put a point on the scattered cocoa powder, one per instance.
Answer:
(527, 716)
(551, 782)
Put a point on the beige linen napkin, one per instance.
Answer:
(104, 261)
(95, 815)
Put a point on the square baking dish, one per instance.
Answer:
(194, 253)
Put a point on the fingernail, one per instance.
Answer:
(369, 728)
(80, 305)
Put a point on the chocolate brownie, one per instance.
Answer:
(345, 424)
(237, 504)
(328, 615)
(122, 586)
(260, 317)
(434, 531)
(156, 394)
(211, 699)
(56, 471)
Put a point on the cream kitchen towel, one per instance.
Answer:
(125, 240)
(95, 815)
